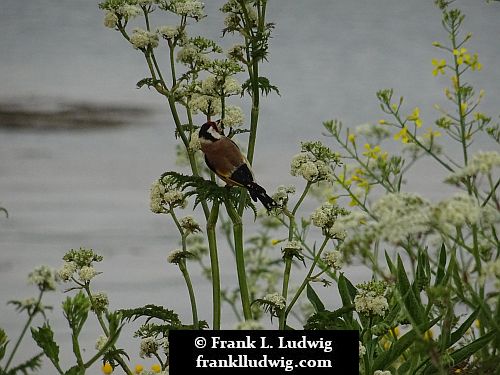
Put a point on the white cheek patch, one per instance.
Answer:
(214, 133)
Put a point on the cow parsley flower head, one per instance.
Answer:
(67, 271)
(176, 256)
(128, 11)
(206, 104)
(44, 277)
(189, 8)
(276, 299)
(110, 19)
(282, 194)
(400, 215)
(168, 32)
(141, 39)
(100, 302)
(148, 347)
(313, 162)
(234, 116)
(481, 163)
(164, 197)
(370, 298)
(100, 342)
(459, 210)
(189, 225)
(86, 273)
(326, 215)
(334, 259)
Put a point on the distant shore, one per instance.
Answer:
(61, 115)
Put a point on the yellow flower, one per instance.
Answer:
(439, 66)
(352, 138)
(436, 44)
(156, 368)
(454, 80)
(138, 369)
(332, 199)
(382, 122)
(353, 203)
(460, 55)
(477, 323)
(395, 331)
(415, 117)
(430, 134)
(372, 153)
(463, 108)
(403, 135)
(428, 335)
(275, 242)
(107, 368)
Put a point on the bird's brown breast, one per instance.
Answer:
(224, 155)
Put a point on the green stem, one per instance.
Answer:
(214, 265)
(307, 278)
(192, 298)
(76, 350)
(240, 259)
(23, 332)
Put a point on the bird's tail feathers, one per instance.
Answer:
(258, 192)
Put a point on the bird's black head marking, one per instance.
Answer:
(210, 131)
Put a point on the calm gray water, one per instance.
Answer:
(90, 188)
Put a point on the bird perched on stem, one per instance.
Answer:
(225, 159)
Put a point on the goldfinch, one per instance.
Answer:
(225, 159)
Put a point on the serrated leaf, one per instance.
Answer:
(390, 264)
(152, 311)
(149, 82)
(314, 299)
(44, 338)
(76, 311)
(28, 367)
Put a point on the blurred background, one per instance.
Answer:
(80, 145)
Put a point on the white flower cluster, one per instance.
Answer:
(276, 299)
(100, 301)
(141, 39)
(128, 11)
(325, 216)
(190, 55)
(100, 342)
(110, 19)
(189, 224)
(311, 169)
(67, 271)
(481, 162)
(209, 105)
(295, 245)
(86, 273)
(401, 214)
(459, 210)
(362, 349)
(168, 32)
(334, 259)
(233, 116)
(161, 197)
(189, 8)
(249, 325)
(44, 277)
(370, 298)
(282, 194)
(148, 347)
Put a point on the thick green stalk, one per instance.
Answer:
(192, 298)
(240, 259)
(214, 265)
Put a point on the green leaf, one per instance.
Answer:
(150, 312)
(397, 349)
(44, 338)
(76, 311)
(412, 303)
(263, 84)
(329, 320)
(314, 299)
(28, 367)
(149, 82)
(347, 293)
(390, 264)
(460, 332)
(441, 266)
(465, 352)
(3, 343)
